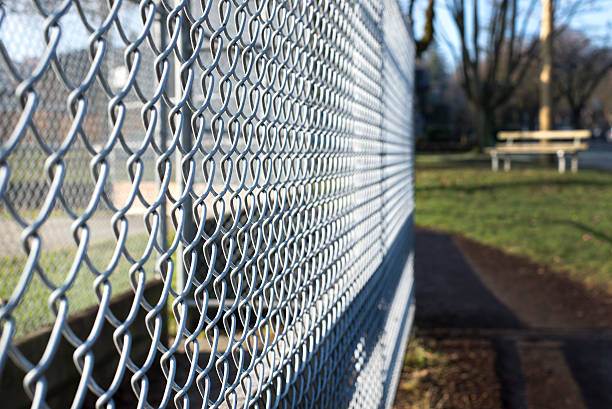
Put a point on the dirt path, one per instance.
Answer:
(552, 337)
(539, 297)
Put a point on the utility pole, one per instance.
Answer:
(546, 29)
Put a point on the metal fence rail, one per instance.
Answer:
(254, 159)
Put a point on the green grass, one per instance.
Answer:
(561, 221)
(418, 356)
(33, 311)
(28, 165)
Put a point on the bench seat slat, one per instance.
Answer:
(539, 148)
(545, 135)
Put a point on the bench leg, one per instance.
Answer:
(506, 164)
(574, 163)
(494, 162)
(561, 159)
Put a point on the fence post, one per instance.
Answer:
(186, 142)
(162, 236)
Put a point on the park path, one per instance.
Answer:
(552, 337)
(598, 156)
(56, 233)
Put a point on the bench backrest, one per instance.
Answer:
(574, 134)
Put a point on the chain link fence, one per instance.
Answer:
(254, 159)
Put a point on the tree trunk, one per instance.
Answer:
(576, 117)
(483, 121)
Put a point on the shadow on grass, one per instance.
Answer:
(480, 161)
(511, 185)
(454, 164)
(587, 229)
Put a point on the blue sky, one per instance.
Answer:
(595, 20)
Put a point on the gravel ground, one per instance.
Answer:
(461, 375)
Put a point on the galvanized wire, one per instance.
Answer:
(255, 156)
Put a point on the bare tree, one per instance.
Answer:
(494, 56)
(428, 31)
(580, 66)
(497, 51)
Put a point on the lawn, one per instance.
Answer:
(562, 221)
(33, 311)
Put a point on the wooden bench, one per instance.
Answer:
(562, 143)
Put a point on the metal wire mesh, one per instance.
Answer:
(253, 156)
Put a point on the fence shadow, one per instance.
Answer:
(448, 292)
(453, 302)
(449, 295)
